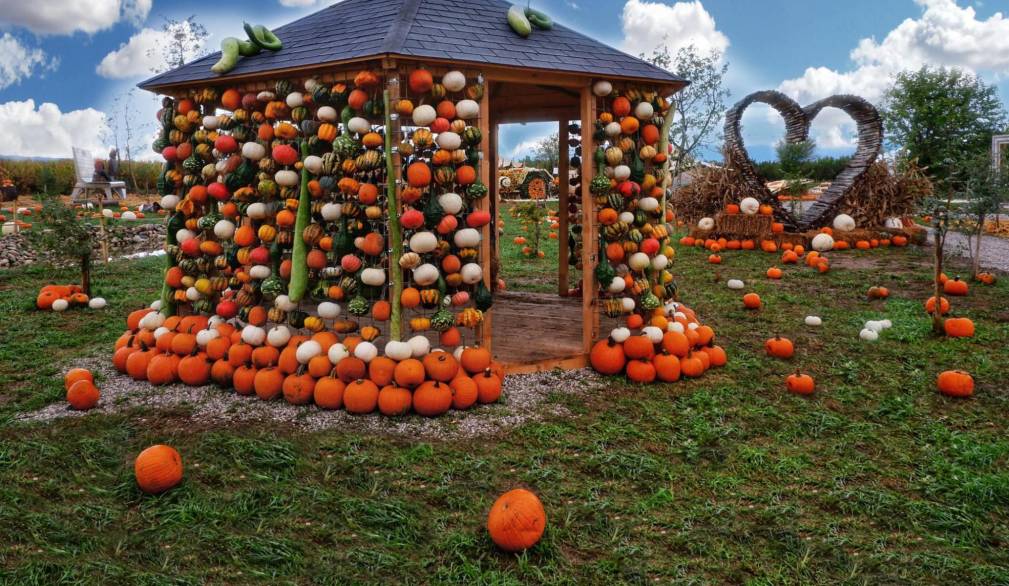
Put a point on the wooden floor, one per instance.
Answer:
(538, 331)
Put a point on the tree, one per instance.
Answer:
(939, 116)
(699, 106)
(64, 235)
(984, 189)
(547, 152)
(181, 41)
(795, 159)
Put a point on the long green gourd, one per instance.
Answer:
(299, 257)
(395, 230)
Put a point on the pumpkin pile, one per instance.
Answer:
(64, 297)
(320, 368)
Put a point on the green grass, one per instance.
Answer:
(725, 479)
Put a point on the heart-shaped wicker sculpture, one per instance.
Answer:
(797, 122)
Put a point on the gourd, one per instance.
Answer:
(423, 242)
(868, 335)
(373, 277)
(602, 88)
(466, 238)
(844, 223)
(336, 353)
(813, 320)
(97, 303)
(253, 335)
(224, 229)
(471, 273)
(706, 223)
(467, 109)
(278, 336)
(424, 115)
(823, 242)
(426, 274)
(454, 81)
(359, 125)
(328, 310)
(644, 111)
(451, 203)
(620, 335)
(157, 469)
(639, 261)
(518, 21)
(365, 351)
(307, 351)
(449, 141)
(419, 346)
(735, 284)
(398, 351)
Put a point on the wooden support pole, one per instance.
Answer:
(395, 231)
(590, 246)
(563, 191)
(485, 331)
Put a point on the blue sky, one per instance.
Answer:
(81, 57)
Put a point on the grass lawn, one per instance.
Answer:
(725, 479)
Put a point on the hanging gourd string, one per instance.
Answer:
(395, 231)
(667, 123)
(299, 256)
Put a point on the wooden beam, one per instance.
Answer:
(485, 332)
(563, 191)
(590, 247)
(510, 116)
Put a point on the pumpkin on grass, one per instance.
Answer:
(517, 520)
(158, 468)
(607, 357)
(800, 384)
(76, 374)
(779, 347)
(959, 327)
(955, 383)
(82, 395)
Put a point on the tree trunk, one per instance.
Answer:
(940, 242)
(977, 249)
(86, 274)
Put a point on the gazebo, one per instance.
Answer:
(369, 93)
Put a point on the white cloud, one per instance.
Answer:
(61, 17)
(48, 132)
(649, 25)
(136, 57)
(18, 62)
(944, 35)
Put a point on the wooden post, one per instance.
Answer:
(485, 331)
(563, 191)
(590, 247)
(392, 203)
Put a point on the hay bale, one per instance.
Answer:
(743, 227)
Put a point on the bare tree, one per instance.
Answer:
(699, 106)
(985, 189)
(182, 41)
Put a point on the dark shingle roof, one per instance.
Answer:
(473, 31)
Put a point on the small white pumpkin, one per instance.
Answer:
(813, 320)
(266, 96)
(621, 172)
(617, 285)
(467, 109)
(365, 351)
(97, 303)
(451, 203)
(60, 305)
(895, 223)
(424, 115)
(182, 235)
(308, 350)
(868, 335)
(359, 125)
(471, 273)
(295, 99)
(257, 211)
(844, 223)
(706, 223)
(169, 201)
(253, 335)
(160, 332)
(336, 353)
(612, 129)
(224, 229)
(128, 216)
(654, 334)
(278, 336)
(373, 277)
(287, 178)
(155, 305)
(419, 346)
(639, 261)
(152, 321)
(620, 335)
(211, 122)
(649, 204)
(253, 151)
(284, 303)
(426, 274)
(397, 350)
(331, 211)
(644, 111)
(215, 320)
(602, 88)
(328, 310)
(454, 81)
(327, 114)
(675, 326)
(823, 242)
(627, 304)
(260, 272)
(108, 213)
(874, 325)
(660, 262)
(449, 141)
(749, 206)
(423, 242)
(467, 238)
(203, 337)
(887, 324)
(313, 164)
(735, 284)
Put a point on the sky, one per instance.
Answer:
(67, 67)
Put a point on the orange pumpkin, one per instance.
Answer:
(328, 392)
(432, 398)
(394, 401)
(82, 395)
(517, 520)
(157, 469)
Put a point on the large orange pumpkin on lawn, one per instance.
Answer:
(517, 520)
(158, 468)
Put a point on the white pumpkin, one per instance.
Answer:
(612, 129)
(152, 321)
(257, 211)
(426, 274)
(602, 88)
(160, 332)
(128, 216)
(169, 202)
(706, 223)
(451, 203)
(449, 141)
(365, 351)
(660, 262)
(253, 151)
(97, 303)
(224, 229)
(893, 223)
(215, 320)
(617, 285)
(327, 114)
(649, 204)
(620, 335)
(874, 325)
(337, 352)
(182, 235)
(308, 350)
(60, 305)
(626, 217)
(471, 273)
(454, 81)
(654, 334)
(675, 326)
(108, 213)
(887, 324)
(844, 223)
(260, 272)
(203, 337)
(328, 310)
(156, 305)
(313, 164)
(211, 122)
(627, 304)
(423, 242)
(284, 303)
(621, 172)
(278, 336)
(868, 335)
(266, 96)
(639, 261)
(813, 320)
(295, 99)
(373, 277)
(467, 109)
(749, 206)
(359, 125)
(419, 346)
(397, 350)
(331, 211)
(287, 178)
(253, 335)
(823, 242)
(735, 284)
(424, 115)
(467, 238)
(644, 111)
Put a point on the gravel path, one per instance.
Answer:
(994, 250)
(526, 398)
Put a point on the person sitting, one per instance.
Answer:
(100, 175)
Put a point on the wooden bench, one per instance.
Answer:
(84, 169)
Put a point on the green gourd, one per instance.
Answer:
(299, 257)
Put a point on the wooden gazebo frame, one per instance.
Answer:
(511, 94)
